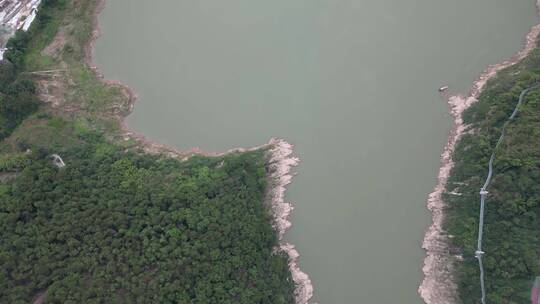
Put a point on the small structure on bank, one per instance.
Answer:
(57, 161)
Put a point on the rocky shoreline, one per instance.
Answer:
(279, 161)
(439, 286)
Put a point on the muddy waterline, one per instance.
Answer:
(353, 84)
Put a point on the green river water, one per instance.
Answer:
(351, 83)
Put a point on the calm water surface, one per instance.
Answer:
(352, 83)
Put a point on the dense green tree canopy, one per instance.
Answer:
(113, 227)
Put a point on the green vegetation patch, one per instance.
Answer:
(18, 90)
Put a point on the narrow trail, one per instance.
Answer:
(483, 193)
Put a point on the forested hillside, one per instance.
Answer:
(116, 225)
(113, 227)
(512, 227)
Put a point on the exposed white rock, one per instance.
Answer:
(281, 163)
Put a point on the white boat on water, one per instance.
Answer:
(443, 88)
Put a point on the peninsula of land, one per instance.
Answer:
(124, 218)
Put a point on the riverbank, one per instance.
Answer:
(439, 284)
(280, 162)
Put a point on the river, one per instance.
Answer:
(352, 83)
